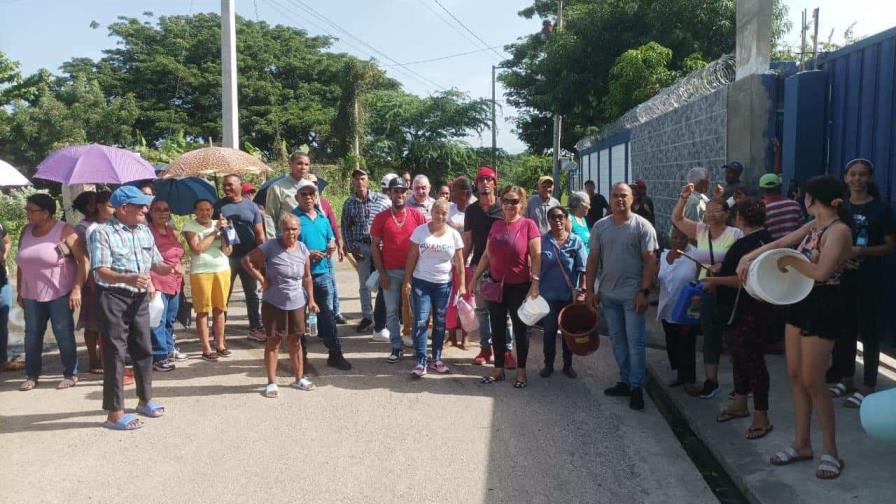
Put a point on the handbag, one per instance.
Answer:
(490, 289)
(563, 270)
(185, 311)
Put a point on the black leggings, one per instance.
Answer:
(514, 295)
(681, 347)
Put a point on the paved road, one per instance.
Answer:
(369, 435)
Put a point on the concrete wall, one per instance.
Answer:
(664, 149)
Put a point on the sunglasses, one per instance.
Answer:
(506, 201)
(557, 216)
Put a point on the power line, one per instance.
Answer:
(448, 22)
(314, 12)
(443, 57)
(466, 28)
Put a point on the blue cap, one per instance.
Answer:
(129, 195)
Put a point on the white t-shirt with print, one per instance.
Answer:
(436, 253)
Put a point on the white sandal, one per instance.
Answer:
(788, 456)
(303, 384)
(838, 390)
(829, 464)
(272, 391)
(855, 400)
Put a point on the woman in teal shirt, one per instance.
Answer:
(579, 205)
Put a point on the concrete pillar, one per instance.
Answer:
(231, 134)
(754, 31)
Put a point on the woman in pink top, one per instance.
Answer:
(513, 258)
(168, 286)
(52, 267)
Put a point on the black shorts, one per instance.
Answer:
(279, 322)
(819, 313)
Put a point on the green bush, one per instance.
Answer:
(12, 216)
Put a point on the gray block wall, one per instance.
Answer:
(663, 149)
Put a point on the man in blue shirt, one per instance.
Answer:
(317, 235)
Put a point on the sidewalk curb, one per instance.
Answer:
(659, 392)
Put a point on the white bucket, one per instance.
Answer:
(156, 307)
(767, 283)
(878, 415)
(533, 310)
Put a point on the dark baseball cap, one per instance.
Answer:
(398, 183)
(734, 166)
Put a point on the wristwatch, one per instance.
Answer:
(646, 292)
(536, 277)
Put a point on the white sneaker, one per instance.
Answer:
(382, 336)
(408, 341)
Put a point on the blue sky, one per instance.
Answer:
(45, 33)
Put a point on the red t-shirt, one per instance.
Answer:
(508, 250)
(396, 239)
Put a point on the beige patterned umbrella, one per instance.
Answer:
(215, 161)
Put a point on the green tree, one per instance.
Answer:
(636, 76)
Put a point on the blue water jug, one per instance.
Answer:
(689, 305)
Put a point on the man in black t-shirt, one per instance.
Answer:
(599, 205)
(478, 221)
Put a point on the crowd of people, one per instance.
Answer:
(421, 256)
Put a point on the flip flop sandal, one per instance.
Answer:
(854, 401)
(303, 384)
(838, 390)
(211, 356)
(831, 465)
(758, 432)
(29, 384)
(224, 352)
(151, 409)
(96, 370)
(727, 416)
(520, 384)
(272, 391)
(125, 423)
(67, 383)
(489, 380)
(788, 456)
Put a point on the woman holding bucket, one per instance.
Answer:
(813, 324)
(563, 259)
(747, 321)
(713, 238)
(873, 239)
(513, 260)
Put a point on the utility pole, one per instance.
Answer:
(356, 145)
(494, 130)
(230, 112)
(558, 120)
(815, 39)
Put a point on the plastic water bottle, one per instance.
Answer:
(312, 324)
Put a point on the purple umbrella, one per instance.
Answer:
(94, 164)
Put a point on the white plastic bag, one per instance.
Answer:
(467, 315)
(156, 307)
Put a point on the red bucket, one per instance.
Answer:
(579, 325)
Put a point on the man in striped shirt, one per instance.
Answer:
(357, 216)
(782, 215)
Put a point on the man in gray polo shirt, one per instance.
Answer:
(539, 204)
(622, 249)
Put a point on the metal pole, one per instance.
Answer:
(558, 120)
(803, 40)
(815, 45)
(230, 112)
(494, 127)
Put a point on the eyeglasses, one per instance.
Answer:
(506, 201)
(557, 216)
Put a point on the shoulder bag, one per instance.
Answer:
(491, 290)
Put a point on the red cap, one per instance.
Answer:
(485, 171)
(247, 188)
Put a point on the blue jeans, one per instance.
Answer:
(335, 292)
(549, 324)
(627, 332)
(426, 297)
(37, 313)
(392, 297)
(365, 266)
(5, 305)
(163, 334)
(326, 319)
